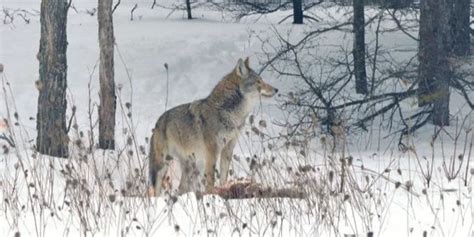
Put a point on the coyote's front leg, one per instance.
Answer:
(226, 159)
(210, 166)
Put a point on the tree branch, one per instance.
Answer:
(8, 139)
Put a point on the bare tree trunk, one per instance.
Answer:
(428, 50)
(188, 9)
(52, 136)
(359, 47)
(434, 48)
(297, 12)
(461, 27)
(440, 113)
(106, 76)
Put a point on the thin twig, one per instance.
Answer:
(115, 6)
(133, 9)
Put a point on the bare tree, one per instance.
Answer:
(434, 46)
(106, 76)
(297, 12)
(359, 47)
(461, 27)
(325, 98)
(52, 136)
(188, 9)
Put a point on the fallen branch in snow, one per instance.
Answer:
(244, 189)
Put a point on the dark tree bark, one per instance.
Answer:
(461, 34)
(297, 12)
(188, 9)
(52, 136)
(106, 76)
(359, 47)
(435, 45)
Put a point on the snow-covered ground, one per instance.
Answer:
(102, 193)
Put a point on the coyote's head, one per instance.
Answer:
(250, 82)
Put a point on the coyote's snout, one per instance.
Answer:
(199, 135)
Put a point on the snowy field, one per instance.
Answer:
(97, 193)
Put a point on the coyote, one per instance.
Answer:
(197, 135)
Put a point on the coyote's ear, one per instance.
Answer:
(247, 63)
(241, 69)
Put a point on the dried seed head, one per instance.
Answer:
(349, 160)
(399, 171)
(398, 184)
(251, 119)
(323, 140)
(346, 197)
(112, 198)
(6, 150)
(39, 85)
(305, 168)
(331, 176)
(409, 185)
(256, 131)
(142, 149)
